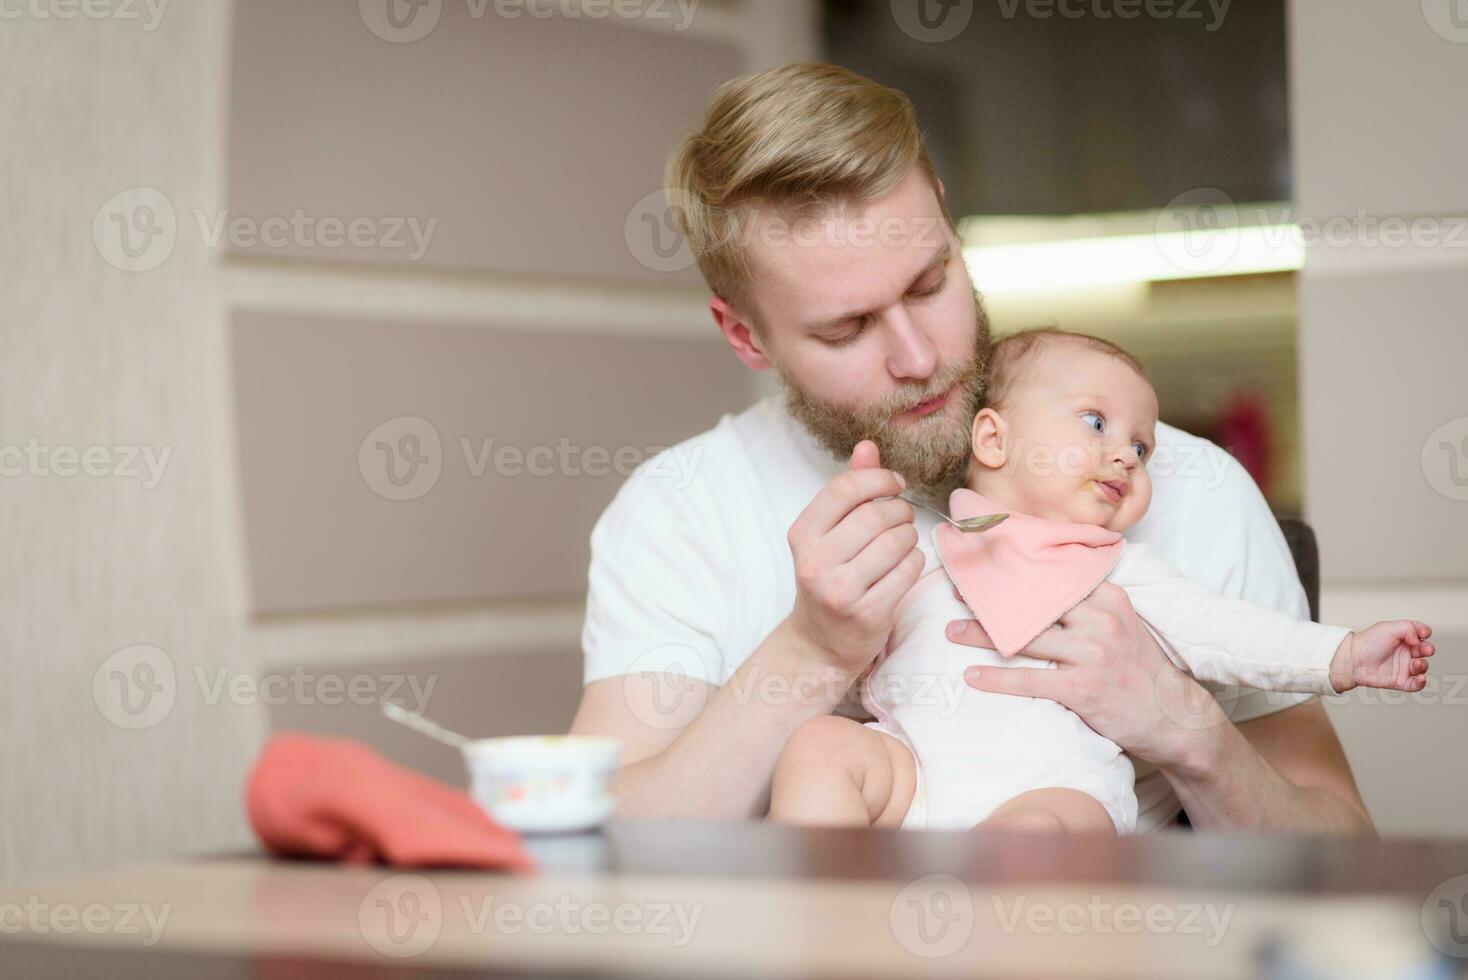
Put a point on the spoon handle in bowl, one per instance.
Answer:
(423, 726)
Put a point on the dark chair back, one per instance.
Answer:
(1302, 544)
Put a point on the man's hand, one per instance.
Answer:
(855, 556)
(708, 752)
(1109, 670)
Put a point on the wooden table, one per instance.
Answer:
(649, 899)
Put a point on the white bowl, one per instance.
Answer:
(544, 783)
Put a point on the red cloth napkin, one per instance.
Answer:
(337, 799)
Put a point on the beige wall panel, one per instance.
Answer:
(1381, 730)
(531, 142)
(1377, 96)
(482, 695)
(520, 439)
(1381, 362)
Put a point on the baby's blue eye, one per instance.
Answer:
(1141, 448)
(1100, 425)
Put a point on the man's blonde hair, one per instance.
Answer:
(797, 139)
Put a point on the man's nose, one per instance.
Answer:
(911, 352)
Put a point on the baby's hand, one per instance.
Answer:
(1390, 655)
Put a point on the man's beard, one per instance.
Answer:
(931, 452)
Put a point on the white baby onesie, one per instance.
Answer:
(975, 750)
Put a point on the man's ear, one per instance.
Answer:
(742, 339)
(990, 437)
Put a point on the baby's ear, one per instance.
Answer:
(990, 438)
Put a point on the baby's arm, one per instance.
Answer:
(1230, 641)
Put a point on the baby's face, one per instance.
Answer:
(1079, 426)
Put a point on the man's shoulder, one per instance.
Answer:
(1180, 452)
(1197, 486)
(1211, 521)
(1189, 471)
(1171, 435)
(724, 445)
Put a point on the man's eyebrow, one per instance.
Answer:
(940, 257)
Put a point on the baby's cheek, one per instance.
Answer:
(1142, 498)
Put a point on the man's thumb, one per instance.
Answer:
(865, 456)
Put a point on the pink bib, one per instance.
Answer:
(1022, 575)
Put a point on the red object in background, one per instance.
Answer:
(1246, 429)
(337, 799)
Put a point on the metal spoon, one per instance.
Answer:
(423, 726)
(968, 524)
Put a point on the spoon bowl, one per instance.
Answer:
(968, 525)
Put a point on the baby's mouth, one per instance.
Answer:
(1114, 490)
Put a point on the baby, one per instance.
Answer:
(1061, 445)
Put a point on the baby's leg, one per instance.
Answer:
(1054, 809)
(835, 772)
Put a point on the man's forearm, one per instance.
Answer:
(1224, 782)
(719, 767)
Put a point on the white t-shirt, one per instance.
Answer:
(691, 569)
